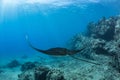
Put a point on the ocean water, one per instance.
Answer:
(48, 23)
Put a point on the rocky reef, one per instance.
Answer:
(103, 40)
(102, 45)
(41, 73)
(27, 66)
(13, 64)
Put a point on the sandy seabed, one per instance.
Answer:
(73, 69)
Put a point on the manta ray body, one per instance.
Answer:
(59, 51)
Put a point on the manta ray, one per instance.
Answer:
(59, 51)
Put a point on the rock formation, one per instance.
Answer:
(102, 38)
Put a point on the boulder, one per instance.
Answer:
(41, 73)
(13, 64)
(27, 66)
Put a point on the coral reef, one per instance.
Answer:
(28, 65)
(13, 64)
(1, 71)
(103, 28)
(55, 74)
(41, 73)
(102, 45)
(102, 38)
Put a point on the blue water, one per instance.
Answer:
(48, 26)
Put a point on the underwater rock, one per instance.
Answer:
(13, 64)
(114, 51)
(1, 71)
(104, 29)
(103, 38)
(117, 29)
(79, 41)
(55, 75)
(98, 47)
(27, 75)
(38, 73)
(41, 73)
(27, 66)
(93, 46)
(113, 48)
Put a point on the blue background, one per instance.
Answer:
(52, 29)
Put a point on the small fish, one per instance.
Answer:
(58, 51)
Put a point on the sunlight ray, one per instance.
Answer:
(9, 8)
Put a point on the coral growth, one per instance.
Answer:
(13, 64)
(41, 73)
(102, 38)
(104, 29)
(27, 66)
(55, 74)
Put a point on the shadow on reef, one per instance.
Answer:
(101, 38)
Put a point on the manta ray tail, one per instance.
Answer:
(84, 60)
(39, 50)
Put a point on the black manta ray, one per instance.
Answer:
(58, 51)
